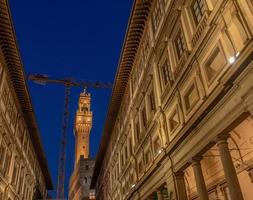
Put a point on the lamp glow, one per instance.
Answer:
(231, 59)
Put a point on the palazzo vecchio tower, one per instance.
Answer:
(84, 165)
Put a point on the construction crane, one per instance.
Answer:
(68, 83)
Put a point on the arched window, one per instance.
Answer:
(84, 109)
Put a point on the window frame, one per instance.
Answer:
(165, 72)
(144, 118)
(151, 100)
(182, 42)
(159, 7)
(141, 164)
(137, 129)
(165, 60)
(201, 12)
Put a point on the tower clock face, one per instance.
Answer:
(82, 119)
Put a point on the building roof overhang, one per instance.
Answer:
(16, 73)
(136, 24)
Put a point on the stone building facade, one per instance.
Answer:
(180, 125)
(24, 173)
(79, 184)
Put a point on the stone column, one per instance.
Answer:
(171, 187)
(180, 186)
(159, 194)
(199, 178)
(229, 169)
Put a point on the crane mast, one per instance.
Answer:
(63, 144)
(68, 83)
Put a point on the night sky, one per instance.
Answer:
(61, 38)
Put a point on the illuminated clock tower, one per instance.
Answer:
(83, 125)
(79, 184)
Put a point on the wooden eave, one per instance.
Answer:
(17, 76)
(136, 25)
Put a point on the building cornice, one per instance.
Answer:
(16, 74)
(135, 29)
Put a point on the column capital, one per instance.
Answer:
(196, 160)
(179, 174)
(222, 138)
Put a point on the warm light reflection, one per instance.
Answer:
(231, 59)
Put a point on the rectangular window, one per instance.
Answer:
(165, 73)
(152, 101)
(137, 130)
(122, 160)
(198, 9)
(180, 44)
(144, 117)
(130, 145)
(126, 153)
(118, 167)
(157, 13)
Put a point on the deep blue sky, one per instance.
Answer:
(63, 38)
